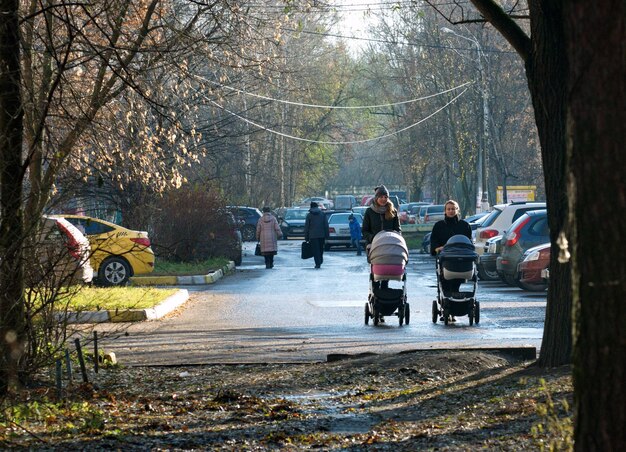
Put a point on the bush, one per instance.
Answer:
(192, 226)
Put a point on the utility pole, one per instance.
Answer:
(482, 194)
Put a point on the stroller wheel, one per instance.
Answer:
(477, 312)
(367, 313)
(446, 316)
(401, 315)
(435, 311)
(407, 314)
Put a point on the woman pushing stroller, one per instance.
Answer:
(441, 233)
(381, 215)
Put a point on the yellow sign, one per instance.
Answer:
(516, 193)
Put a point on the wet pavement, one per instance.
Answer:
(295, 313)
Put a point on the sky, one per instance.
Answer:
(355, 19)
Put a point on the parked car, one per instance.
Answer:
(433, 213)
(339, 229)
(403, 213)
(248, 218)
(419, 213)
(500, 219)
(366, 200)
(475, 221)
(292, 224)
(360, 209)
(487, 270)
(345, 202)
(531, 229)
(60, 256)
(117, 253)
(323, 203)
(534, 268)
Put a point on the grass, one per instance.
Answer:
(162, 267)
(414, 240)
(93, 298)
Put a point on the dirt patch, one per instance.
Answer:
(428, 400)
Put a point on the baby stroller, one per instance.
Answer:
(457, 262)
(388, 256)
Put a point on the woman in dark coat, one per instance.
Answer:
(380, 216)
(442, 231)
(316, 232)
(449, 226)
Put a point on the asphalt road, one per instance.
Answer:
(295, 313)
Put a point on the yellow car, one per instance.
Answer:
(117, 253)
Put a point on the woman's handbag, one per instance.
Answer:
(307, 250)
(257, 249)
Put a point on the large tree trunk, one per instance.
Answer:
(546, 70)
(11, 174)
(596, 51)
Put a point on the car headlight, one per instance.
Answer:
(532, 256)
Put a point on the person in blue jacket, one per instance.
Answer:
(355, 233)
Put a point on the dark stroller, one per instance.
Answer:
(388, 256)
(457, 262)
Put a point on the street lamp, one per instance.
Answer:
(482, 195)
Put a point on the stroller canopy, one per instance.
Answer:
(389, 247)
(459, 245)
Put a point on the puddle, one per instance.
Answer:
(329, 411)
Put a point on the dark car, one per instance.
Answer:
(487, 270)
(248, 217)
(292, 223)
(533, 269)
(531, 229)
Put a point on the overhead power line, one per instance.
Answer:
(267, 129)
(332, 107)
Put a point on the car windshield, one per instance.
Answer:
(342, 218)
(490, 218)
(298, 214)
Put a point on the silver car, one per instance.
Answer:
(339, 229)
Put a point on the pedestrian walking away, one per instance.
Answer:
(267, 233)
(355, 233)
(381, 215)
(316, 232)
(441, 233)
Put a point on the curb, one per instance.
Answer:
(128, 315)
(182, 280)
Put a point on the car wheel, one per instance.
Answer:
(248, 233)
(486, 275)
(114, 271)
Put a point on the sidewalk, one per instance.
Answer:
(163, 308)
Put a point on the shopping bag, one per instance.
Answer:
(257, 249)
(307, 250)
